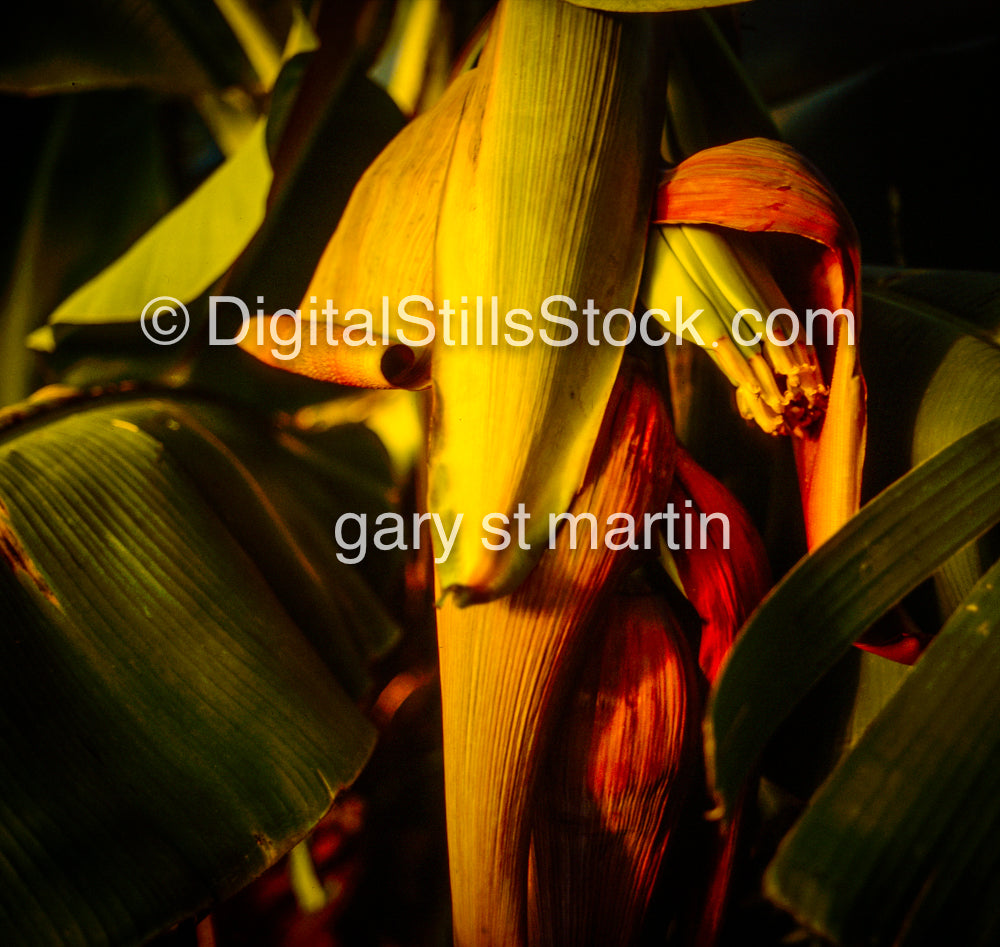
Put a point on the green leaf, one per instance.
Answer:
(114, 142)
(949, 377)
(267, 494)
(903, 343)
(969, 301)
(963, 392)
(167, 730)
(878, 679)
(710, 99)
(828, 600)
(197, 242)
(188, 249)
(902, 844)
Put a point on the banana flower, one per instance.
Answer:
(727, 219)
(532, 177)
(607, 803)
(509, 667)
(562, 112)
(726, 579)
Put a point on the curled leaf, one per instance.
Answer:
(547, 195)
(322, 351)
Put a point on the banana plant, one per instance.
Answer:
(615, 331)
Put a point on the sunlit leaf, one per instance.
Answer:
(548, 193)
(326, 124)
(318, 160)
(413, 66)
(381, 252)
(507, 664)
(194, 244)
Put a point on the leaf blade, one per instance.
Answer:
(188, 249)
(839, 590)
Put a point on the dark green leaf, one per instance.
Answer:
(934, 373)
(192, 246)
(710, 100)
(878, 679)
(902, 844)
(188, 249)
(828, 600)
(111, 140)
(268, 495)
(343, 138)
(175, 46)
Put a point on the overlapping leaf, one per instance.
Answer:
(647, 6)
(112, 140)
(547, 194)
(167, 46)
(831, 597)
(901, 844)
(168, 729)
(508, 664)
